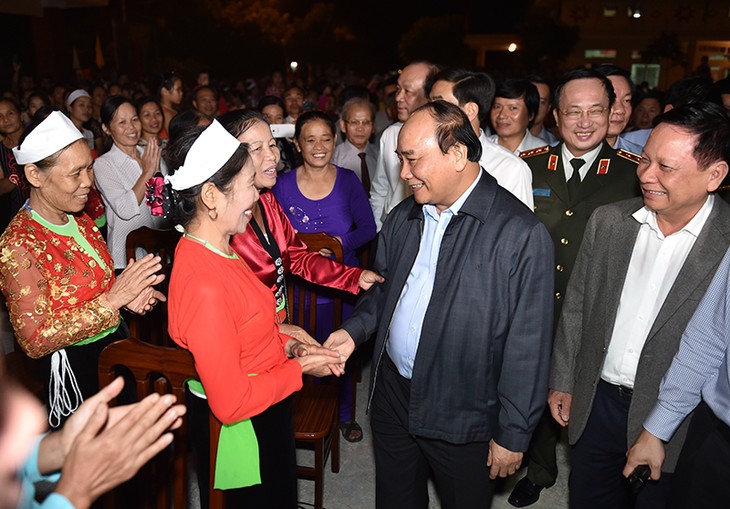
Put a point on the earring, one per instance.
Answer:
(213, 213)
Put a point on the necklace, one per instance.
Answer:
(209, 246)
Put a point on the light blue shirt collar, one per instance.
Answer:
(455, 207)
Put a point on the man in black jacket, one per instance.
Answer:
(463, 323)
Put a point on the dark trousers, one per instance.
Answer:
(274, 429)
(542, 467)
(599, 456)
(403, 461)
(702, 476)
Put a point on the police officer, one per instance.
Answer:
(569, 181)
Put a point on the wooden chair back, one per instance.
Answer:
(316, 409)
(153, 325)
(163, 370)
(300, 291)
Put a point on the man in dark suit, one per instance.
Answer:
(569, 182)
(641, 272)
(463, 322)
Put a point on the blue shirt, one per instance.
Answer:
(548, 137)
(700, 369)
(623, 144)
(30, 475)
(405, 327)
(638, 137)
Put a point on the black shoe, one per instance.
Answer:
(524, 493)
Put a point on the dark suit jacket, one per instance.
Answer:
(481, 365)
(566, 219)
(589, 313)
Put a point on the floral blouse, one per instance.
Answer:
(54, 288)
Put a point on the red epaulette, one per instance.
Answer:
(535, 151)
(629, 155)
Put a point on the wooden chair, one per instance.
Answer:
(316, 408)
(316, 242)
(153, 325)
(162, 370)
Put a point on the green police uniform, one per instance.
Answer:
(611, 177)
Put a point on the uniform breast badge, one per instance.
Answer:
(603, 166)
(553, 162)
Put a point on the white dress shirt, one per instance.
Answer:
(387, 189)
(511, 172)
(115, 174)
(655, 262)
(529, 141)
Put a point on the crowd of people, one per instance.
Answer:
(542, 255)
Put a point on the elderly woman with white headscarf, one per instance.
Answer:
(226, 317)
(56, 272)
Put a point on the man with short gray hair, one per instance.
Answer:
(387, 188)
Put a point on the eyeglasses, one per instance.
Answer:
(593, 113)
(359, 123)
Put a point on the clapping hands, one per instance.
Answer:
(101, 447)
(133, 288)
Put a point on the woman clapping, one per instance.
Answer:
(56, 272)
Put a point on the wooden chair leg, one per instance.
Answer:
(319, 449)
(217, 501)
(335, 449)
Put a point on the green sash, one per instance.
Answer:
(237, 461)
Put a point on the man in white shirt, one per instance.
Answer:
(641, 271)
(473, 93)
(387, 189)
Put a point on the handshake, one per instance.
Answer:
(315, 359)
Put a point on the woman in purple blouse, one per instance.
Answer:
(321, 197)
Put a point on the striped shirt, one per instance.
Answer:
(701, 368)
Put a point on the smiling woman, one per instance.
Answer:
(122, 175)
(11, 183)
(151, 121)
(56, 272)
(270, 246)
(225, 316)
(321, 197)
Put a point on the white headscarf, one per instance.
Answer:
(54, 133)
(213, 148)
